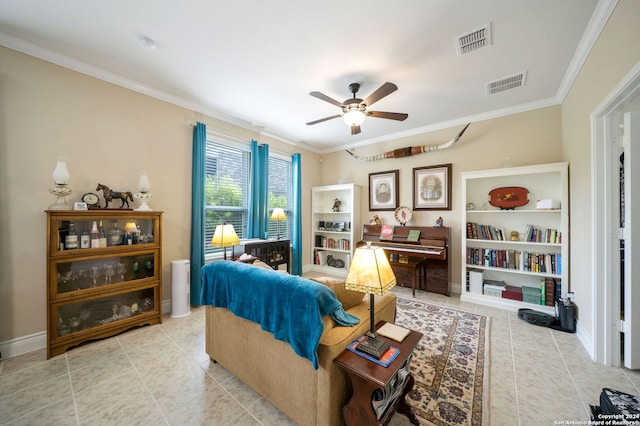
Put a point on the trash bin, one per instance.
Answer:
(180, 288)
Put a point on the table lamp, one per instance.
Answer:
(225, 236)
(278, 215)
(60, 188)
(371, 273)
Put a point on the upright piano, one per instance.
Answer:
(430, 255)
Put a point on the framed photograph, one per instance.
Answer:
(383, 190)
(80, 206)
(432, 187)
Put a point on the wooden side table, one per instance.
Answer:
(368, 378)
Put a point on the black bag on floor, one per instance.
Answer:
(618, 402)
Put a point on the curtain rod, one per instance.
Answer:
(213, 132)
(238, 140)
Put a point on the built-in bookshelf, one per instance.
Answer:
(335, 226)
(524, 247)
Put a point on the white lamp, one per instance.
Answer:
(225, 236)
(144, 195)
(278, 215)
(371, 273)
(60, 188)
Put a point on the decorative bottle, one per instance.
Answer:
(71, 240)
(85, 238)
(115, 235)
(102, 235)
(95, 235)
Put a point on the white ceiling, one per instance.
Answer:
(254, 62)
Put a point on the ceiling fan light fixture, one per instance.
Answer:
(354, 117)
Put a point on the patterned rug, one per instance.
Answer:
(450, 364)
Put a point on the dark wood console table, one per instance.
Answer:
(368, 378)
(272, 252)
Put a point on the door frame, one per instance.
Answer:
(605, 298)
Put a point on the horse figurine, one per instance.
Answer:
(109, 195)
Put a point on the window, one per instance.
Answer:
(227, 191)
(280, 194)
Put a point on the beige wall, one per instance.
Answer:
(615, 53)
(107, 134)
(527, 138)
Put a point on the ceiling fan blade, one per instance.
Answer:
(322, 119)
(400, 116)
(384, 90)
(355, 130)
(325, 98)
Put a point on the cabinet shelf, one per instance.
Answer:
(545, 181)
(341, 229)
(93, 293)
(513, 271)
(515, 243)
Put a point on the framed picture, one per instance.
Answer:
(80, 206)
(383, 190)
(432, 187)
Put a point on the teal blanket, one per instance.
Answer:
(288, 306)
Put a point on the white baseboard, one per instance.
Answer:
(23, 345)
(36, 341)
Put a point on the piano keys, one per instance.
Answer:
(427, 260)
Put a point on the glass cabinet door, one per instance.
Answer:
(80, 274)
(87, 314)
(77, 231)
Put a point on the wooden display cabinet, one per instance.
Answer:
(93, 293)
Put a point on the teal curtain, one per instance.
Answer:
(197, 210)
(296, 222)
(259, 191)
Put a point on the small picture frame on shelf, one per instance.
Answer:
(383, 190)
(432, 187)
(79, 205)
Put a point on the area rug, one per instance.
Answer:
(449, 365)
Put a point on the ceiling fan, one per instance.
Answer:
(354, 110)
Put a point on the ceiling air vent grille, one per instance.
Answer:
(474, 40)
(506, 83)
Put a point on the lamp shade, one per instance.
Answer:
(130, 227)
(354, 117)
(278, 214)
(61, 174)
(143, 183)
(370, 271)
(225, 236)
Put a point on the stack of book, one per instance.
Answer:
(494, 287)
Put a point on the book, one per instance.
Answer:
(386, 359)
(414, 236)
(386, 232)
(394, 332)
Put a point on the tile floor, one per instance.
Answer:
(161, 375)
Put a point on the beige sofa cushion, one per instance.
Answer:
(348, 298)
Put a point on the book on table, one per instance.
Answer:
(394, 332)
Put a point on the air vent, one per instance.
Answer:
(507, 83)
(474, 40)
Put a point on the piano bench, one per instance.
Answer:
(410, 272)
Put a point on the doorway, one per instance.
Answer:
(616, 330)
